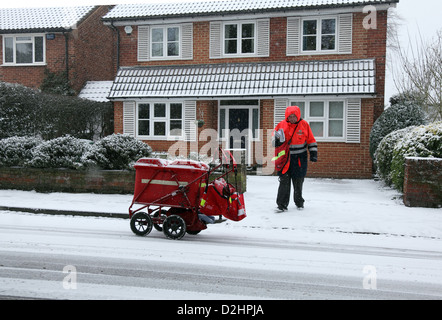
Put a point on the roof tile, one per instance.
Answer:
(246, 79)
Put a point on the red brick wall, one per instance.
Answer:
(423, 182)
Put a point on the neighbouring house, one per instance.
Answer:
(34, 41)
(234, 66)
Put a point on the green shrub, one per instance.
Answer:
(16, 151)
(423, 141)
(64, 152)
(384, 153)
(28, 112)
(396, 117)
(118, 152)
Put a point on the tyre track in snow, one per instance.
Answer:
(113, 263)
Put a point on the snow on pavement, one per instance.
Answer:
(332, 205)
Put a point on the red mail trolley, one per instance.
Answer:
(183, 196)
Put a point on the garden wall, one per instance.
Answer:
(423, 182)
(83, 181)
(65, 180)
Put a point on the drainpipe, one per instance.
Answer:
(66, 38)
(118, 43)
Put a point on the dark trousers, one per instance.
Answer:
(283, 198)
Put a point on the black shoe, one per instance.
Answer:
(280, 209)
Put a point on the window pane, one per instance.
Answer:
(222, 122)
(231, 46)
(9, 52)
(336, 128)
(24, 53)
(316, 109)
(39, 49)
(159, 110)
(328, 42)
(255, 123)
(157, 35)
(24, 39)
(144, 111)
(248, 46)
(317, 128)
(248, 30)
(172, 49)
(157, 49)
(309, 43)
(336, 110)
(176, 127)
(143, 127)
(173, 34)
(159, 128)
(176, 111)
(231, 31)
(310, 27)
(328, 26)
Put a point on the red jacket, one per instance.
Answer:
(301, 140)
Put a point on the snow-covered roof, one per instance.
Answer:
(246, 79)
(42, 19)
(96, 90)
(149, 10)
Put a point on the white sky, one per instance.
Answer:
(419, 18)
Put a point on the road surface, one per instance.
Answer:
(66, 257)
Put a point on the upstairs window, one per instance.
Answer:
(24, 50)
(165, 42)
(239, 38)
(319, 35)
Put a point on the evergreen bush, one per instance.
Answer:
(384, 153)
(64, 152)
(118, 152)
(28, 112)
(422, 141)
(16, 151)
(398, 116)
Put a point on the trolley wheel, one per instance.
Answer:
(161, 214)
(141, 224)
(174, 227)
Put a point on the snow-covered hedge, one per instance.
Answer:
(115, 152)
(64, 152)
(384, 153)
(396, 117)
(118, 151)
(17, 151)
(423, 141)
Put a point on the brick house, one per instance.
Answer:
(33, 40)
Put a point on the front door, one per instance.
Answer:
(238, 123)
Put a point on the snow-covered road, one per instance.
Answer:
(354, 240)
(40, 256)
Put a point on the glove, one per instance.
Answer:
(314, 156)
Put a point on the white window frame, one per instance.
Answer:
(152, 119)
(319, 35)
(15, 40)
(165, 42)
(239, 39)
(325, 119)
